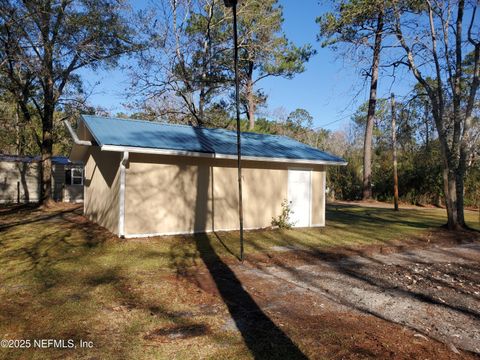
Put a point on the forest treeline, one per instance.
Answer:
(178, 57)
(419, 159)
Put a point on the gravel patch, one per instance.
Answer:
(435, 291)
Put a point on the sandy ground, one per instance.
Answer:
(432, 293)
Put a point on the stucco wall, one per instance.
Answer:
(102, 188)
(167, 194)
(318, 197)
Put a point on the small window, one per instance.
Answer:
(77, 176)
(74, 176)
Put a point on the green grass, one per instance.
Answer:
(347, 226)
(62, 278)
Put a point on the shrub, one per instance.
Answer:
(283, 220)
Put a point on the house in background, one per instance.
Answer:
(20, 179)
(146, 178)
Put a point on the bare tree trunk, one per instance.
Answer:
(458, 143)
(449, 173)
(459, 182)
(451, 198)
(452, 143)
(47, 148)
(251, 108)
(367, 146)
(427, 130)
(18, 133)
(250, 98)
(47, 142)
(201, 108)
(205, 68)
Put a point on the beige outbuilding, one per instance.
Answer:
(146, 178)
(20, 179)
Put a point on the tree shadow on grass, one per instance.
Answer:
(32, 216)
(264, 339)
(17, 208)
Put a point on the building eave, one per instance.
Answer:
(74, 135)
(156, 151)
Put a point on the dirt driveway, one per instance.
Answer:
(416, 303)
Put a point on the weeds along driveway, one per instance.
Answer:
(434, 292)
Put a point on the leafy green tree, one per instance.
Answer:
(11, 134)
(265, 51)
(43, 44)
(300, 118)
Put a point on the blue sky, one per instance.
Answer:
(330, 88)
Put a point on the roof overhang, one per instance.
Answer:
(155, 151)
(78, 153)
(80, 147)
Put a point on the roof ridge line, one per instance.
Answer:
(123, 119)
(153, 122)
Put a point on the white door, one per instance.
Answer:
(299, 189)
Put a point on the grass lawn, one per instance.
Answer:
(347, 226)
(65, 278)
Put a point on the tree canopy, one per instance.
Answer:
(43, 44)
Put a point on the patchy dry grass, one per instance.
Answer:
(349, 226)
(65, 278)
